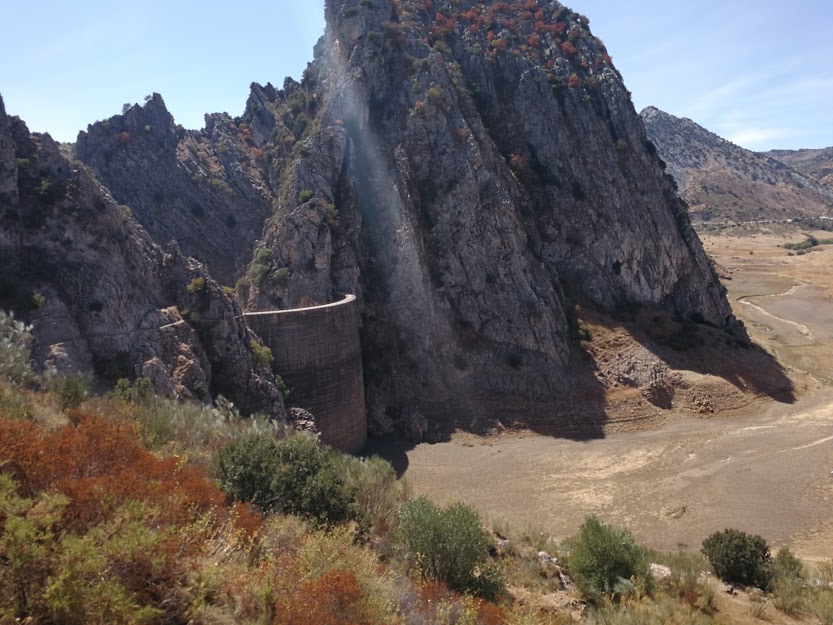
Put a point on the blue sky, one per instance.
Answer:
(756, 72)
(759, 73)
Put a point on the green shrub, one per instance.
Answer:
(138, 393)
(821, 605)
(442, 47)
(263, 256)
(738, 557)
(451, 546)
(262, 354)
(786, 565)
(377, 492)
(305, 196)
(15, 349)
(256, 273)
(282, 387)
(604, 558)
(332, 217)
(294, 476)
(69, 578)
(788, 596)
(245, 469)
(435, 95)
(196, 285)
(14, 402)
(281, 276)
(71, 390)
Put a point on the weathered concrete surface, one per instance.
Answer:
(317, 352)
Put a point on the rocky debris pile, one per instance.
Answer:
(551, 567)
(659, 572)
(702, 403)
(302, 420)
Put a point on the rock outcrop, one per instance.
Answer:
(102, 297)
(207, 190)
(724, 182)
(471, 173)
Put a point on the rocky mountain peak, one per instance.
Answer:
(207, 190)
(472, 171)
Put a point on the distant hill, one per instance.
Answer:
(722, 181)
(816, 164)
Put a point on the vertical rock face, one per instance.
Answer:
(102, 297)
(8, 163)
(206, 190)
(473, 173)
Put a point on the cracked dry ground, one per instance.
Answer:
(748, 461)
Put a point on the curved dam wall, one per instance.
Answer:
(317, 352)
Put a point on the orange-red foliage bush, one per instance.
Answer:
(490, 614)
(568, 49)
(101, 465)
(333, 599)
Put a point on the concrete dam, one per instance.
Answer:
(317, 352)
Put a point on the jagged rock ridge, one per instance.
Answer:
(208, 190)
(102, 297)
(722, 181)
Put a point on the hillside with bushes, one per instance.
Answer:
(816, 164)
(132, 508)
(723, 182)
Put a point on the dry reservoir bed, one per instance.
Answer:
(764, 469)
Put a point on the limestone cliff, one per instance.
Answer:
(471, 172)
(102, 297)
(725, 182)
(207, 190)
